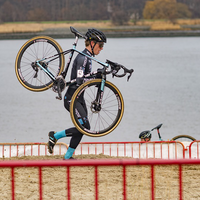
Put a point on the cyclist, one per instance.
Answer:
(82, 65)
(145, 136)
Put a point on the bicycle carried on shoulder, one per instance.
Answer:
(176, 138)
(40, 66)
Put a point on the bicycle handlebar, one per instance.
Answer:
(115, 67)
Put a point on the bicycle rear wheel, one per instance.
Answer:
(37, 48)
(183, 138)
(104, 120)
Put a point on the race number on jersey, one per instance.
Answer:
(80, 73)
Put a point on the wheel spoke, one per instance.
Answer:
(36, 49)
(101, 119)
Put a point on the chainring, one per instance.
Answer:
(59, 82)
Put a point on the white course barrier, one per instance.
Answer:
(8, 150)
(164, 149)
(142, 150)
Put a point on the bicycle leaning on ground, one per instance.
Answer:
(40, 65)
(176, 138)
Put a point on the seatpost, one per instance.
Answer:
(64, 73)
(159, 134)
(158, 127)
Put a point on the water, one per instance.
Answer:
(163, 89)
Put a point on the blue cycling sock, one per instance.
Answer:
(59, 134)
(69, 153)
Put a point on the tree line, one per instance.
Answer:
(119, 11)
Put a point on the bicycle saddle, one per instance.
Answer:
(76, 33)
(157, 127)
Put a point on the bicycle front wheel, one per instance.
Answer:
(183, 138)
(104, 120)
(31, 76)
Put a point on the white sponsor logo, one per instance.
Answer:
(80, 73)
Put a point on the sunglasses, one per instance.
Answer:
(101, 44)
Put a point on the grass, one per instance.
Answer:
(60, 22)
(19, 27)
(167, 25)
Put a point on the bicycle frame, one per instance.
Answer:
(174, 138)
(43, 65)
(64, 73)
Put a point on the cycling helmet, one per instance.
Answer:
(145, 134)
(94, 34)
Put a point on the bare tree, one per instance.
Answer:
(38, 14)
(120, 11)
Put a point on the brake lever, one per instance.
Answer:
(116, 67)
(130, 71)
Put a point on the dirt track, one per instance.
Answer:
(110, 182)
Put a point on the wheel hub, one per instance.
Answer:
(95, 107)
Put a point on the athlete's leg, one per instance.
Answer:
(74, 142)
(54, 136)
(59, 134)
(67, 97)
(71, 132)
(77, 135)
(69, 153)
(81, 113)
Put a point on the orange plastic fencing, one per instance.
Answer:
(194, 151)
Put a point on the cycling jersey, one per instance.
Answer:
(82, 65)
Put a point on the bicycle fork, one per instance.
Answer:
(96, 104)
